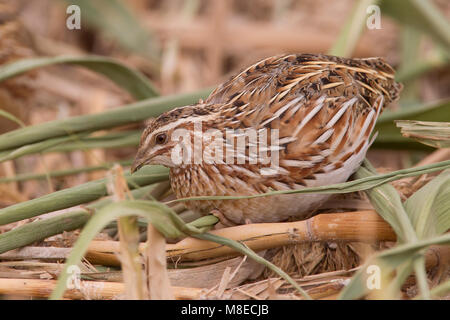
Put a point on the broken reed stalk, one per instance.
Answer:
(158, 281)
(130, 258)
(89, 289)
(157, 275)
(365, 226)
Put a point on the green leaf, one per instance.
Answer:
(422, 15)
(388, 260)
(429, 207)
(388, 205)
(107, 141)
(132, 81)
(425, 214)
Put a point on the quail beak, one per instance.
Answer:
(139, 162)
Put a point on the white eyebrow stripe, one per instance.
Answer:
(174, 124)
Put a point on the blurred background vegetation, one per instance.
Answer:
(181, 49)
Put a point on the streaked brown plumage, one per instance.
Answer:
(324, 107)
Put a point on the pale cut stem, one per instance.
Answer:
(366, 226)
(133, 274)
(92, 289)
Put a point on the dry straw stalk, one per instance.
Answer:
(365, 226)
(89, 289)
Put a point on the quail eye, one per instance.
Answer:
(161, 138)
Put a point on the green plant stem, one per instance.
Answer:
(42, 229)
(12, 118)
(131, 113)
(438, 291)
(115, 20)
(76, 195)
(39, 230)
(352, 30)
(130, 140)
(38, 147)
(399, 257)
(346, 187)
(75, 142)
(421, 276)
(62, 173)
(132, 81)
(410, 58)
(388, 204)
(401, 274)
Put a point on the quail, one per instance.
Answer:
(315, 113)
